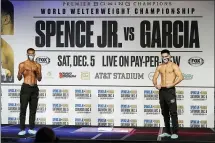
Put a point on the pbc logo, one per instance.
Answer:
(66, 75)
(43, 60)
(196, 61)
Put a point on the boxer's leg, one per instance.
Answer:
(24, 99)
(172, 103)
(165, 113)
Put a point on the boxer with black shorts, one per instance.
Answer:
(170, 76)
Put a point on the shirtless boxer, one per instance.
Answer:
(31, 71)
(7, 18)
(170, 76)
(7, 62)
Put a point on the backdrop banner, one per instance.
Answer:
(98, 59)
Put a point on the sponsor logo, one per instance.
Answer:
(83, 108)
(66, 75)
(60, 108)
(85, 75)
(151, 123)
(128, 109)
(198, 110)
(180, 94)
(106, 94)
(129, 94)
(105, 122)
(82, 121)
(41, 108)
(151, 94)
(48, 75)
(60, 93)
(82, 94)
(128, 122)
(196, 61)
(105, 108)
(151, 74)
(43, 60)
(13, 93)
(187, 76)
(40, 121)
(152, 109)
(13, 107)
(181, 123)
(198, 123)
(60, 121)
(128, 75)
(180, 110)
(42, 93)
(13, 120)
(198, 95)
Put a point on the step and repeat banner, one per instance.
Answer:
(98, 59)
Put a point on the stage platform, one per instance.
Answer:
(116, 134)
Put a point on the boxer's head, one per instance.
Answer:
(31, 54)
(165, 54)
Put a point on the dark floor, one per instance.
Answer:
(91, 134)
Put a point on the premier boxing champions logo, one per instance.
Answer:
(106, 94)
(83, 108)
(14, 93)
(43, 60)
(128, 122)
(82, 121)
(152, 109)
(199, 110)
(129, 94)
(13, 107)
(13, 120)
(151, 94)
(196, 61)
(82, 94)
(198, 123)
(105, 122)
(60, 93)
(198, 95)
(60, 121)
(128, 109)
(60, 108)
(105, 108)
(151, 123)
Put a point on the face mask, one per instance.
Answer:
(165, 60)
(30, 57)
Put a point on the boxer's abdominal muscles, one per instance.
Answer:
(167, 77)
(29, 76)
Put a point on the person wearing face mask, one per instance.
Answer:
(31, 71)
(171, 75)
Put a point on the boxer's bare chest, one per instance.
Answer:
(166, 69)
(29, 67)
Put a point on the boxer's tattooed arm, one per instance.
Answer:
(20, 72)
(178, 74)
(156, 74)
(39, 73)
